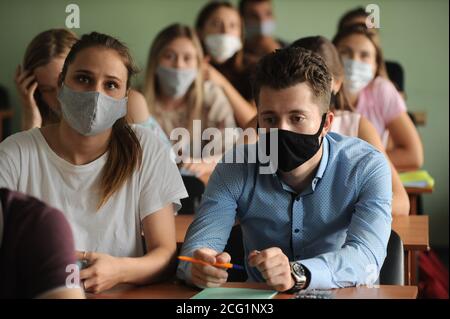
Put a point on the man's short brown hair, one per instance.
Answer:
(290, 66)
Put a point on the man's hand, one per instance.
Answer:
(206, 276)
(274, 266)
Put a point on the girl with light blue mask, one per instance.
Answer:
(113, 181)
(375, 97)
(178, 94)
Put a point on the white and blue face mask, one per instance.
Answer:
(357, 75)
(90, 113)
(264, 28)
(222, 47)
(175, 82)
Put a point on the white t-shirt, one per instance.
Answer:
(29, 165)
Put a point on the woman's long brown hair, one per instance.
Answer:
(125, 152)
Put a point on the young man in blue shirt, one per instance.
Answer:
(322, 219)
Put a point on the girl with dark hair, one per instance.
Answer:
(220, 29)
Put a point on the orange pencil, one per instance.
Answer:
(221, 265)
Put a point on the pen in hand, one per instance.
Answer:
(220, 265)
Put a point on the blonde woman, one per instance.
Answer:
(177, 93)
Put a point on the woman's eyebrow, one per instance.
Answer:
(114, 77)
(84, 71)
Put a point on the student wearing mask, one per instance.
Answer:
(220, 30)
(260, 25)
(394, 70)
(375, 96)
(346, 120)
(37, 82)
(36, 249)
(113, 182)
(178, 94)
(322, 218)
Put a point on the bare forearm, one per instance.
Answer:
(406, 158)
(243, 110)
(152, 267)
(400, 200)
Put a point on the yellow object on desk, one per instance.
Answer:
(418, 179)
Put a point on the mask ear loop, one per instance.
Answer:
(324, 117)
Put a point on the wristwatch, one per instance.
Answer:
(300, 275)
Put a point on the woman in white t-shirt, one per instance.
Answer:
(111, 180)
(346, 121)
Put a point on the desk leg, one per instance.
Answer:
(412, 204)
(413, 266)
(407, 267)
(410, 268)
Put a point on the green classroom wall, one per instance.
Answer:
(413, 32)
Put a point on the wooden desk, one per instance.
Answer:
(177, 290)
(413, 194)
(5, 114)
(413, 230)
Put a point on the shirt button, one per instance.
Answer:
(296, 230)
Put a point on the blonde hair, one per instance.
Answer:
(151, 89)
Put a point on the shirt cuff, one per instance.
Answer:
(184, 271)
(320, 273)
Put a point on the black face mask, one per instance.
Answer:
(294, 149)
